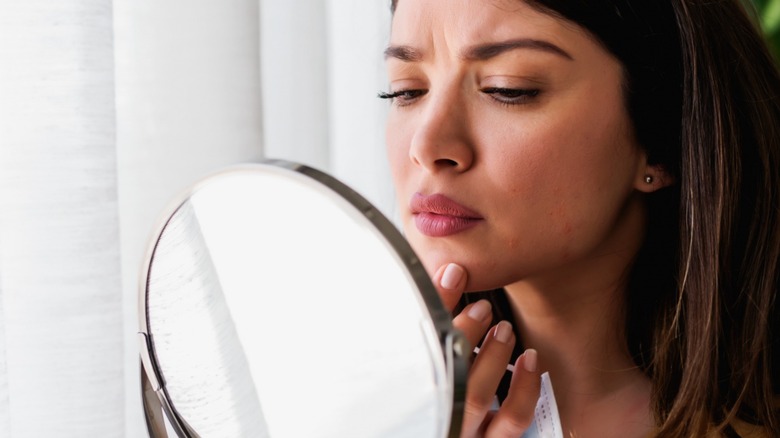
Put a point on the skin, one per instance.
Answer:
(558, 178)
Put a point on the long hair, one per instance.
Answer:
(703, 94)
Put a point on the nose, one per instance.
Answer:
(441, 141)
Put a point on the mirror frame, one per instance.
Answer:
(157, 403)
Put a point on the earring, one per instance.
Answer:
(649, 179)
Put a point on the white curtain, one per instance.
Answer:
(322, 67)
(108, 110)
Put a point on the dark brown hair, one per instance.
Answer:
(703, 93)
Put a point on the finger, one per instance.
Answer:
(474, 320)
(485, 374)
(517, 411)
(450, 281)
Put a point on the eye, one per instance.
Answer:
(512, 96)
(402, 97)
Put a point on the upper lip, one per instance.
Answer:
(441, 205)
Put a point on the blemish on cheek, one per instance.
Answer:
(557, 212)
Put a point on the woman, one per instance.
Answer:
(611, 170)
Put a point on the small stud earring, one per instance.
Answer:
(648, 179)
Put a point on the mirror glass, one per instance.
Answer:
(277, 302)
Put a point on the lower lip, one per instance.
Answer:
(437, 225)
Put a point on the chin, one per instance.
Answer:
(480, 283)
(481, 274)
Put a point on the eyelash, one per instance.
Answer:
(512, 96)
(506, 96)
(402, 97)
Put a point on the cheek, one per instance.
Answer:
(562, 184)
(529, 165)
(397, 145)
(568, 153)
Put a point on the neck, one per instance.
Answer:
(575, 318)
(578, 334)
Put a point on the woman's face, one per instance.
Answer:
(510, 146)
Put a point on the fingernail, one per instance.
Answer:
(452, 276)
(529, 361)
(503, 332)
(479, 310)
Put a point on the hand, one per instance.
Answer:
(517, 411)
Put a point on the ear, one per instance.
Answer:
(652, 177)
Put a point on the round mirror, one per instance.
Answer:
(277, 302)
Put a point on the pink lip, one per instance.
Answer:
(439, 216)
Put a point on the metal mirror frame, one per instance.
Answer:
(157, 403)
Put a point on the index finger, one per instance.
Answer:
(450, 282)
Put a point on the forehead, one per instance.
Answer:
(429, 24)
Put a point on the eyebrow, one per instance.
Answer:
(404, 53)
(486, 51)
(482, 52)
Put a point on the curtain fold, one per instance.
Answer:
(59, 234)
(322, 67)
(358, 32)
(108, 110)
(188, 103)
(294, 51)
